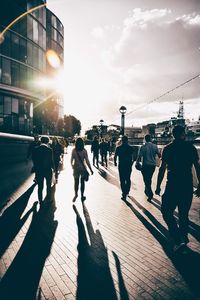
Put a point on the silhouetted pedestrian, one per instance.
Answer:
(104, 149)
(147, 154)
(178, 158)
(58, 151)
(95, 151)
(44, 165)
(31, 148)
(125, 154)
(78, 159)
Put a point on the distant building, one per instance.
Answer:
(23, 61)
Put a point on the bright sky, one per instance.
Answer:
(128, 52)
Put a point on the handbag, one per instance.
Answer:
(86, 174)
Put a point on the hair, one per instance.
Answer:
(79, 144)
(55, 140)
(178, 131)
(147, 138)
(44, 140)
(124, 139)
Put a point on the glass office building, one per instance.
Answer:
(23, 61)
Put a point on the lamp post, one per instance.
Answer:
(101, 127)
(122, 110)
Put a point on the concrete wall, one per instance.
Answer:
(14, 166)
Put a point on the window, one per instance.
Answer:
(15, 74)
(30, 27)
(15, 46)
(6, 45)
(30, 53)
(35, 56)
(7, 105)
(35, 31)
(15, 105)
(23, 77)
(6, 71)
(23, 50)
(1, 105)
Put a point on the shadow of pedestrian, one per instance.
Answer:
(23, 276)
(11, 221)
(111, 179)
(193, 229)
(122, 287)
(94, 280)
(188, 264)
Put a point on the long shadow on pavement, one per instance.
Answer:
(194, 229)
(22, 277)
(94, 280)
(11, 221)
(188, 264)
(122, 288)
(111, 179)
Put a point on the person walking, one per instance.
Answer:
(178, 157)
(95, 151)
(58, 151)
(31, 148)
(44, 166)
(104, 148)
(147, 154)
(79, 160)
(125, 154)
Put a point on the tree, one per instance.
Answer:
(72, 126)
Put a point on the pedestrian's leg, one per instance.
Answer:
(102, 159)
(40, 181)
(122, 183)
(106, 161)
(149, 173)
(48, 183)
(128, 181)
(76, 185)
(93, 159)
(97, 159)
(82, 189)
(167, 208)
(183, 208)
(144, 175)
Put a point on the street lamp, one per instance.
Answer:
(122, 110)
(101, 127)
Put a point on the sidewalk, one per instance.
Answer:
(104, 249)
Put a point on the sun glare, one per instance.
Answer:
(53, 59)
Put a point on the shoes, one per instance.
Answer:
(74, 199)
(180, 248)
(83, 198)
(149, 199)
(123, 197)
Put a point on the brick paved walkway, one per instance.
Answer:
(103, 249)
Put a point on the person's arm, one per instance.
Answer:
(72, 158)
(139, 157)
(158, 152)
(88, 162)
(161, 174)
(115, 157)
(197, 169)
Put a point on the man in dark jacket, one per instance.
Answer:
(43, 163)
(178, 158)
(125, 154)
(95, 151)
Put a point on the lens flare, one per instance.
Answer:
(53, 59)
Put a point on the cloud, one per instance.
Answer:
(190, 20)
(156, 52)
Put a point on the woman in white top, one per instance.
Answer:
(78, 159)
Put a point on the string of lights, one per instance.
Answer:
(164, 94)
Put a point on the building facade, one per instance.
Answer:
(23, 62)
